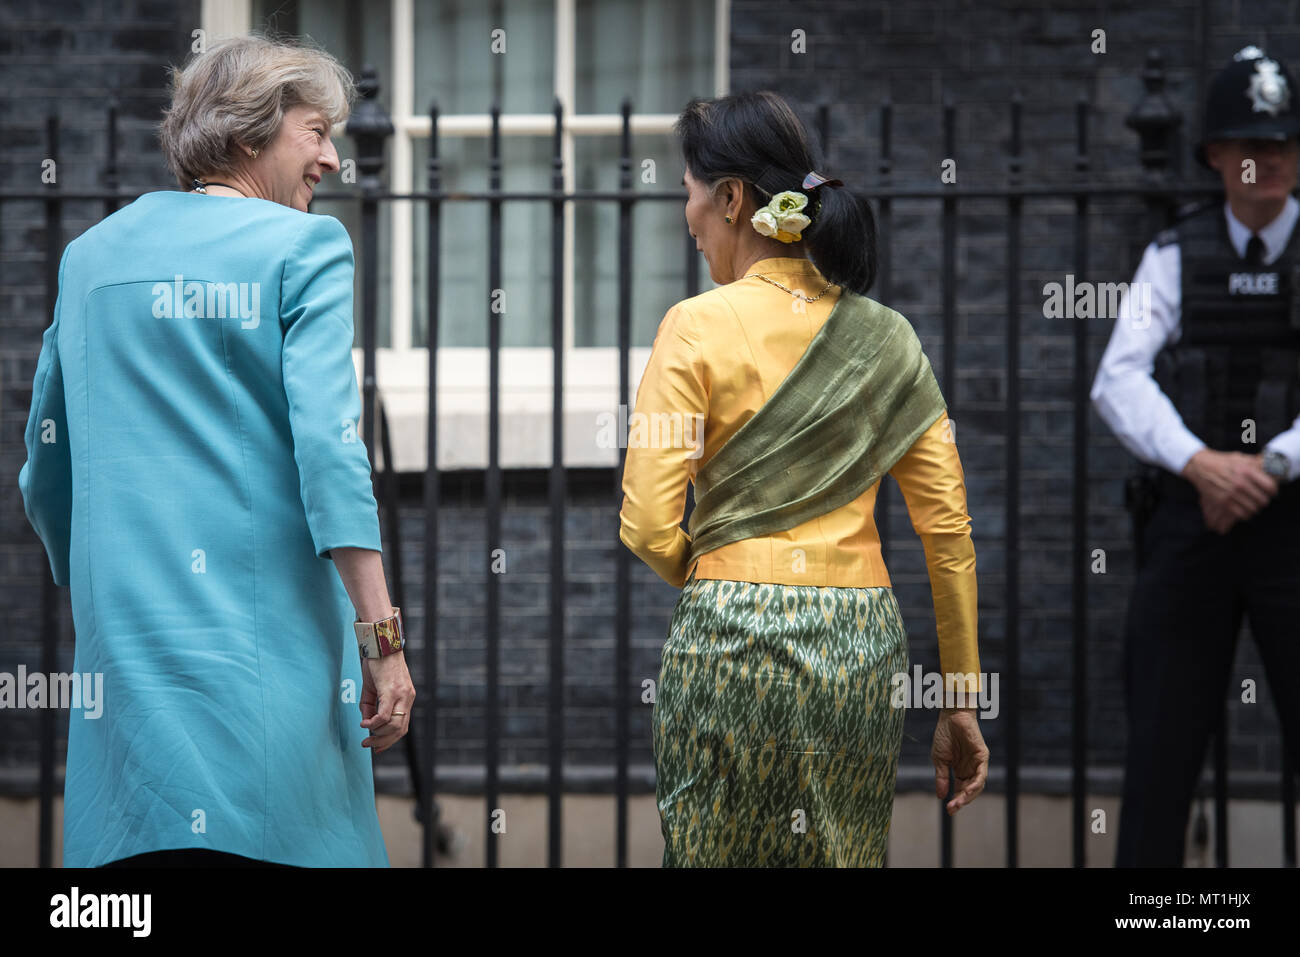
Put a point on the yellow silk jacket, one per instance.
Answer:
(716, 359)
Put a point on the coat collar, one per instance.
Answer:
(783, 265)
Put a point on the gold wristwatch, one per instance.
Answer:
(377, 639)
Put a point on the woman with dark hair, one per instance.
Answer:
(790, 394)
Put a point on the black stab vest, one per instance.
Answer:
(1239, 353)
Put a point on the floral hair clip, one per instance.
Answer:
(783, 217)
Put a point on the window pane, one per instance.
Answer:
(462, 267)
(456, 65)
(657, 52)
(659, 239)
(357, 35)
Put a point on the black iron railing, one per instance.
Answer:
(1155, 123)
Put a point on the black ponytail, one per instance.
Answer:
(757, 138)
(841, 239)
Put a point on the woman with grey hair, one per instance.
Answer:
(195, 473)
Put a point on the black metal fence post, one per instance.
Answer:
(622, 638)
(111, 179)
(370, 127)
(50, 615)
(948, 285)
(1155, 121)
(492, 480)
(1012, 541)
(885, 274)
(558, 483)
(432, 504)
(1079, 515)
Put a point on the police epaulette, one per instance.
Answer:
(1188, 210)
(1170, 235)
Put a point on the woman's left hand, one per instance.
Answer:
(386, 688)
(959, 747)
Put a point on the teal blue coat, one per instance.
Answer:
(193, 454)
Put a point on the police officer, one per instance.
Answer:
(1200, 381)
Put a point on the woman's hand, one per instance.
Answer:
(385, 683)
(959, 746)
(386, 687)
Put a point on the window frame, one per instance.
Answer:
(591, 380)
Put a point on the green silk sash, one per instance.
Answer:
(859, 397)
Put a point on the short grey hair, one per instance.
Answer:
(236, 92)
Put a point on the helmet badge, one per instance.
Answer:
(1268, 91)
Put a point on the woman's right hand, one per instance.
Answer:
(386, 687)
(959, 746)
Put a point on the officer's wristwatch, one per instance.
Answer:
(378, 639)
(1277, 465)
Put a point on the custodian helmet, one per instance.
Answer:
(1252, 97)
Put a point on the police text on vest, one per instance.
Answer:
(1252, 284)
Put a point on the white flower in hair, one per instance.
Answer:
(764, 221)
(783, 218)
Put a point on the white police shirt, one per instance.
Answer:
(1125, 393)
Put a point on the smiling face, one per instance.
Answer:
(288, 170)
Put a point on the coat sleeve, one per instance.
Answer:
(46, 477)
(320, 384)
(934, 486)
(664, 444)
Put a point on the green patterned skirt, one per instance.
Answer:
(774, 740)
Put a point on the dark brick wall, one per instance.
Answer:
(857, 53)
(591, 539)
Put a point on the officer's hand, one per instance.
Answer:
(1230, 484)
(1218, 518)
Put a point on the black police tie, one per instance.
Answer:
(1255, 251)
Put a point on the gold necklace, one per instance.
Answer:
(797, 295)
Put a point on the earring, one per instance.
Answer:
(728, 218)
(254, 154)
